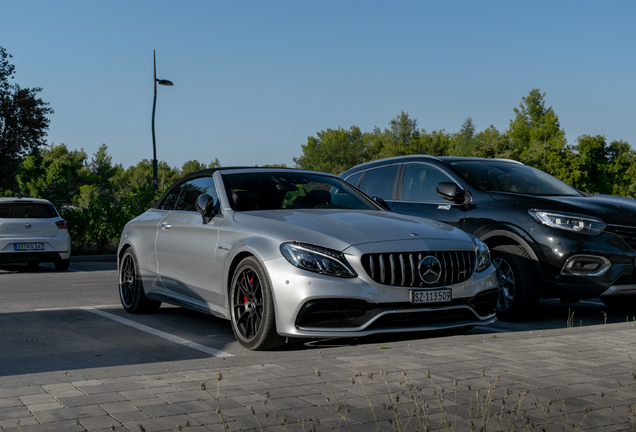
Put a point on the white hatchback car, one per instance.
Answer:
(32, 231)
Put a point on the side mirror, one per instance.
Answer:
(383, 203)
(451, 192)
(207, 207)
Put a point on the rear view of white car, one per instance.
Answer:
(32, 231)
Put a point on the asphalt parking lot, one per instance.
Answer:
(72, 359)
(70, 320)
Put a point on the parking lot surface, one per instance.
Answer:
(72, 359)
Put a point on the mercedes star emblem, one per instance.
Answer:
(430, 269)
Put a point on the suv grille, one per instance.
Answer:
(401, 268)
(627, 233)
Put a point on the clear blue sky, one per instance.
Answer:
(254, 79)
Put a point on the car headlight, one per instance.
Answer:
(483, 255)
(317, 259)
(568, 221)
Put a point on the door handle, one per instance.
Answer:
(165, 226)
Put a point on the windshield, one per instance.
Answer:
(500, 176)
(289, 190)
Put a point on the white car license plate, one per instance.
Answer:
(432, 296)
(28, 246)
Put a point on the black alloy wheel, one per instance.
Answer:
(518, 291)
(131, 291)
(252, 307)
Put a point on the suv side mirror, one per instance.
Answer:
(382, 203)
(207, 207)
(451, 192)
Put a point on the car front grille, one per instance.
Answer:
(401, 268)
(627, 233)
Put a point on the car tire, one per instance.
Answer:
(252, 307)
(518, 291)
(620, 304)
(62, 264)
(33, 264)
(131, 290)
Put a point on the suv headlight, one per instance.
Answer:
(317, 259)
(568, 221)
(483, 255)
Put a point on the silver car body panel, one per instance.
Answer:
(187, 263)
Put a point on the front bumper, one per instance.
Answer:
(558, 247)
(311, 305)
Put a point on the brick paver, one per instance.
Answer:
(568, 369)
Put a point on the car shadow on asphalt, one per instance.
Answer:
(63, 340)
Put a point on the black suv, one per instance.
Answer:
(547, 239)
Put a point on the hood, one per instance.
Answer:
(608, 208)
(341, 229)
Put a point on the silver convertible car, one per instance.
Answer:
(287, 254)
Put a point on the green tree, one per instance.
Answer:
(490, 143)
(281, 165)
(126, 180)
(23, 122)
(192, 166)
(606, 168)
(402, 138)
(533, 127)
(334, 150)
(464, 140)
(101, 168)
(55, 174)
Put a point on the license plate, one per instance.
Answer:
(28, 246)
(432, 296)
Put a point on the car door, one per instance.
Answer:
(186, 246)
(380, 182)
(417, 195)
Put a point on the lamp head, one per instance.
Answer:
(164, 82)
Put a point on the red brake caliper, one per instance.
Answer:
(245, 299)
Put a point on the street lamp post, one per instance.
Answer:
(154, 105)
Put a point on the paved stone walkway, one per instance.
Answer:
(546, 380)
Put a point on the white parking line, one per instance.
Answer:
(159, 333)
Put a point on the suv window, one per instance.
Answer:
(420, 183)
(27, 210)
(379, 182)
(353, 179)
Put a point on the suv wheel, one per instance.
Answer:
(518, 293)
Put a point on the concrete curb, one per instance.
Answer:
(94, 258)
